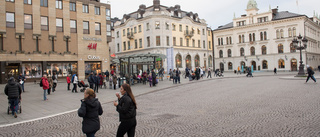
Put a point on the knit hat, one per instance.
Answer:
(308, 66)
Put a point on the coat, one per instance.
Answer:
(114, 79)
(126, 108)
(90, 110)
(101, 80)
(12, 89)
(50, 82)
(68, 80)
(45, 83)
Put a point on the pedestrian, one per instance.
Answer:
(96, 83)
(150, 79)
(100, 80)
(13, 91)
(319, 68)
(144, 77)
(209, 73)
(91, 80)
(310, 73)
(178, 72)
(239, 72)
(68, 81)
(22, 79)
(45, 86)
(174, 76)
(127, 111)
(90, 110)
(55, 81)
(201, 72)
(50, 81)
(170, 74)
(275, 70)
(107, 75)
(112, 72)
(154, 78)
(114, 79)
(187, 73)
(75, 82)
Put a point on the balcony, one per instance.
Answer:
(188, 34)
(130, 35)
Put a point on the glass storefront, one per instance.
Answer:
(32, 70)
(62, 69)
(94, 67)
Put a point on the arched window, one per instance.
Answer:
(221, 54)
(242, 64)
(280, 48)
(265, 35)
(250, 37)
(252, 51)
(263, 50)
(230, 66)
(188, 61)
(292, 48)
(227, 41)
(264, 64)
(218, 41)
(281, 63)
(221, 41)
(294, 31)
(278, 34)
(210, 61)
(230, 40)
(241, 52)
(197, 61)
(289, 32)
(178, 61)
(253, 37)
(229, 53)
(261, 36)
(281, 33)
(240, 39)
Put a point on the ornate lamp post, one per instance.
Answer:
(300, 44)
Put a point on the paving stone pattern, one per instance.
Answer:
(258, 106)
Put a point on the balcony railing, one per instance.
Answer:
(130, 35)
(188, 34)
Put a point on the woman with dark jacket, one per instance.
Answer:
(90, 110)
(127, 111)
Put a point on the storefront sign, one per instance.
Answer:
(91, 39)
(91, 57)
(92, 46)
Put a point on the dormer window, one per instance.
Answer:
(241, 23)
(263, 19)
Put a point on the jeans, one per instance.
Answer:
(74, 87)
(68, 86)
(54, 87)
(14, 105)
(45, 94)
(96, 88)
(178, 79)
(128, 127)
(22, 86)
(209, 74)
(312, 77)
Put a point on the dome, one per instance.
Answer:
(252, 4)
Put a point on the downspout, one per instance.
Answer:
(213, 59)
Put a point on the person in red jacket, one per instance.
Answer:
(68, 81)
(45, 86)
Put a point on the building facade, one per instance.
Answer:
(53, 36)
(182, 36)
(263, 41)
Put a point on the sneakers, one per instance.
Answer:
(15, 115)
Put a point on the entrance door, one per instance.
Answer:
(12, 70)
(253, 63)
(205, 63)
(293, 65)
(221, 66)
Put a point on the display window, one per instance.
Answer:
(94, 67)
(62, 69)
(32, 70)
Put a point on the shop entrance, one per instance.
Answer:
(293, 65)
(94, 67)
(12, 70)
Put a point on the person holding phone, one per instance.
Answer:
(127, 111)
(90, 110)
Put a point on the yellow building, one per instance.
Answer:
(182, 36)
(46, 36)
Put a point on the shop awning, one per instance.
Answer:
(139, 58)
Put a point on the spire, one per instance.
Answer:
(234, 15)
(269, 8)
(252, 4)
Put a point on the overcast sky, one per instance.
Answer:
(217, 12)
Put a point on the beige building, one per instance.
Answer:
(53, 36)
(179, 35)
(263, 41)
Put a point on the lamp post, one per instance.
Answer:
(300, 44)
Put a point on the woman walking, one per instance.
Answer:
(90, 110)
(75, 83)
(310, 73)
(127, 111)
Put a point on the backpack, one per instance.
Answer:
(41, 84)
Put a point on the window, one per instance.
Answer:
(124, 46)
(193, 43)
(242, 38)
(10, 0)
(174, 41)
(253, 37)
(158, 40)
(204, 44)
(227, 41)
(278, 34)
(157, 25)
(210, 61)
(281, 33)
(280, 48)
(86, 27)
(27, 2)
(135, 29)
(220, 54)
(181, 41)
(27, 21)
(203, 32)
(97, 28)
(221, 41)
(85, 9)
(73, 26)
(265, 35)
(239, 38)
(129, 45)
(44, 23)
(264, 64)
(140, 43)
(44, 3)
(292, 48)
(178, 61)
(173, 27)
(281, 63)
(290, 32)
(261, 36)
(167, 26)
(1, 42)
(135, 44)
(72, 6)
(230, 66)
(10, 22)
(229, 53)
(108, 30)
(241, 23)
(197, 61)
(187, 42)
(108, 14)
(241, 52)
(198, 43)
(124, 32)
(180, 28)
(294, 31)
(118, 47)
(263, 19)
(209, 44)
(252, 51)
(97, 10)
(199, 31)
(59, 4)
(168, 42)
(230, 40)
(117, 34)
(59, 25)
(139, 28)
(263, 50)
(148, 41)
(250, 37)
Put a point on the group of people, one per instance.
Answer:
(197, 73)
(126, 106)
(48, 83)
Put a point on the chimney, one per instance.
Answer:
(156, 3)
(275, 11)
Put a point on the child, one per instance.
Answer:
(150, 79)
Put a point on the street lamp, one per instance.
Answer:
(300, 44)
